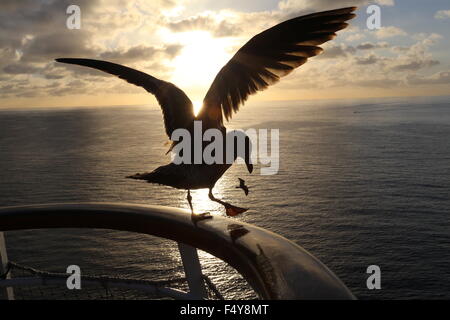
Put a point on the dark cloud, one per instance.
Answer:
(336, 51)
(370, 46)
(140, 53)
(70, 43)
(53, 76)
(7, 55)
(399, 49)
(13, 5)
(343, 51)
(21, 18)
(23, 88)
(20, 68)
(34, 33)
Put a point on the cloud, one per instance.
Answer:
(379, 65)
(34, 33)
(386, 2)
(442, 14)
(389, 32)
(18, 68)
(371, 46)
(19, 19)
(141, 52)
(428, 38)
(370, 59)
(308, 5)
(355, 37)
(438, 78)
(415, 65)
(209, 22)
(332, 51)
(7, 55)
(336, 51)
(379, 83)
(134, 33)
(46, 47)
(415, 57)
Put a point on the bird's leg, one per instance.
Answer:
(194, 216)
(229, 208)
(189, 199)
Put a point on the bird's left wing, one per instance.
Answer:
(266, 58)
(177, 108)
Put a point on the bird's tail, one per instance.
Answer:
(161, 175)
(140, 176)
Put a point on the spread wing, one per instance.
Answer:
(266, 58)
(177, 108)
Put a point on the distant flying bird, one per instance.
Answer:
(261, 62)
(242, 186)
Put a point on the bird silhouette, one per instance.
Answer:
(261, 62)
(242, 186)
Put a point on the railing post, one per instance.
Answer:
(193, 271)
(8, 292)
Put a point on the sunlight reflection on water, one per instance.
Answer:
(345, 190)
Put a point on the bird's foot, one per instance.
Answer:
(200, 216)
(232, 211)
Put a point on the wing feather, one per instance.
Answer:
(268, 56)
(177, 108)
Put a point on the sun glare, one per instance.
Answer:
(201, 58)
(197, 106)
(202, 203)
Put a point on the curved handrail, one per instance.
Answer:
(275, 267)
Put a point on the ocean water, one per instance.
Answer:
(360, 183)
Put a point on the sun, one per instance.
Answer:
(197, 106)
(199, 61)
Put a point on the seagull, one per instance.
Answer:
(261, 62)
(242, 186)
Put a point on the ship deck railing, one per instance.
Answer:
(273, 266)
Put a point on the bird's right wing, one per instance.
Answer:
(177, 108)
(268, 56)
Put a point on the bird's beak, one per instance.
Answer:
(249, 167)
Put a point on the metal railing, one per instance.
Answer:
(275, 267)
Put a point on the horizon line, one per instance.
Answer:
(3, 108)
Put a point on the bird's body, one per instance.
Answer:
(185, 176)
(261, 62)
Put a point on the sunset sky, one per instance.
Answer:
(187, 42)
